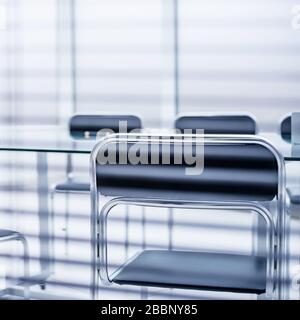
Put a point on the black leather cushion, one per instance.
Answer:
(80, 124)
(218, 124)
(286, 129)
(195, 270)
(231, 172)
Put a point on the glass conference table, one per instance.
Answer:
(43, 140)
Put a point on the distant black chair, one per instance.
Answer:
(239, 173)
(286, 129)
(86, 127)
(293, 192)
(221, 124)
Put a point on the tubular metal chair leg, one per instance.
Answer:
(170, 228)
(66, 224)
(52, 217)
(26, 267)
(52, 237)
(126, 232)
(144, 290)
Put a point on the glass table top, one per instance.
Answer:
(42, 139)
(57, 139)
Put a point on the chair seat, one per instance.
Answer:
(294, 194)
(7, 233)
(73, 185)
(195, 270)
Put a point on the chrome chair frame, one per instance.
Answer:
(16, 236)
(276, 222)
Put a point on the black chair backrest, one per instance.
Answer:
(231, 172)
(87, 126)
(286, 129)
(227, 124)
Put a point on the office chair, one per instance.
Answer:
(240, 173)
(83, 127)
(86, 127)
(9, 235)
(218, 124)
